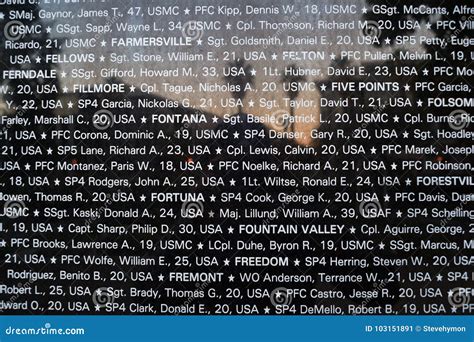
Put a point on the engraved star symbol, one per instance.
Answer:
(407, 87)
(27, 167)
(381, 245)
(322, 87)
(352, 230)
(103, 43)
(266, 310)
(454, 309)
(251, 103)
(428, 26)
(297, 262)
(228, 26)
(408, 181)
(60, 229)
(43, 135)
(53, 260)
(3, 244)
(132, 89)
(210, 167)
(218, 150)
(38, 59)
(143, 198)
(450, 293)
(215, 119)
(99, 292)
(364, 10)
(57, 182)
(386, 198)
(2, 16)
(399, 213)
(48, 29)
(49, 150)
(161, 277)
(231, 278)
(394, 166)
(419, 103)
(373, 150)
(186, 11)
(143, 119)
(199, 42)
(425, 72)
(396, 118)
(97, 307)
(102, 59)
(253, 72)
(439, 277)
(211, 214)
(65, 89)
(212, 198)
(387, 41)
(274, 57)
(236, 135)
(333, 56)
(230, 230)
(226, 262)
(278, 294)
(405, 134)
(63, 74)
(200, 245)
(70, 104)
(36, 213)
(232, 182)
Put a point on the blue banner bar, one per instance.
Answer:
(237, 328)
